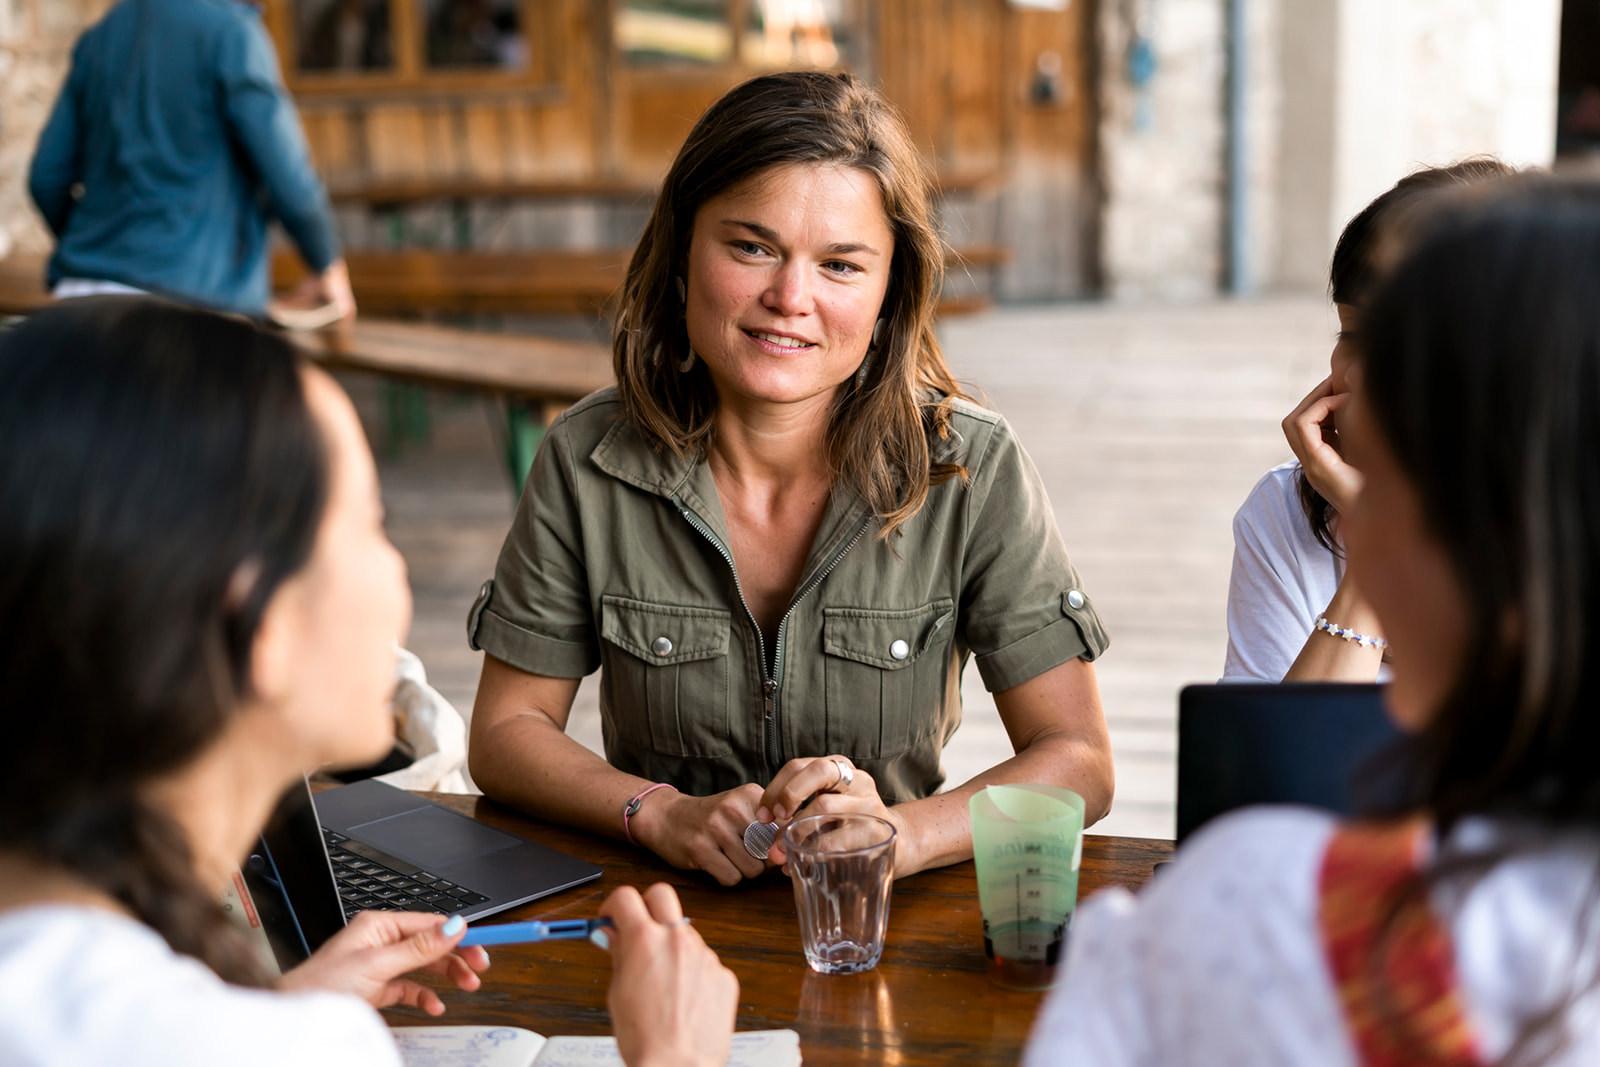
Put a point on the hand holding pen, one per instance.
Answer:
(594, 930)
(524, 933)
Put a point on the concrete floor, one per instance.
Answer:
(1148, 424)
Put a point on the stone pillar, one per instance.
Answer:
(36, 38)
(1161, 149)
(1344, 98)
(1375, 89)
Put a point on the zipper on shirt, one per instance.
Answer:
(771, 676)
(783, 629)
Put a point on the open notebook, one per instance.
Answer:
(512, 1046)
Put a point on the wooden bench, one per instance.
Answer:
(411, 280)
(22, 290)
(538, 376)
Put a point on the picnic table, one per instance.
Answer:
(535, 376)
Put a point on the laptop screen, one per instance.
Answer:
(1295, 743)
(290, 882)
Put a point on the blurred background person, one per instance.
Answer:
(1294, 614)
(172, 146)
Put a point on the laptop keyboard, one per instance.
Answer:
(372, 880)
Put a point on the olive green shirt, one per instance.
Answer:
(618, 558)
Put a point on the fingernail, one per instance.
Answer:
(781, 813)
(600, 939)
(453, 926)
(763, 815)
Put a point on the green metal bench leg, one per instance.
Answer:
(524, 430)
(406, 417)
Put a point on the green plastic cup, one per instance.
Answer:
(1027, 843)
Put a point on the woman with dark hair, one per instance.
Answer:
(1293, 612)
(1461, 924)
(784, 532)
(197, 605)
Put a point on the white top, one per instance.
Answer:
(1220, 959)
(1282, 580)
(81, 985)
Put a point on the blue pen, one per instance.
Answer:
(520, 933)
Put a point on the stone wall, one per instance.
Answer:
(1384, 88)
(1161, 149)
(1343, 98)
(36, 38)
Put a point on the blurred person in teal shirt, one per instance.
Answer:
(171, 148)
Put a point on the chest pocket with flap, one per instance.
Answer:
(673, 679)
(885, 677)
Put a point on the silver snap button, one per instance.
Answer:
(899, 650)
(1074, 598)
(662, 646)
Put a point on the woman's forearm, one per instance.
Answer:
(520, 754)
(527, 761)
(1327, 658)
(938, 829)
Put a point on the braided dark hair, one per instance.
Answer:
(150, 455)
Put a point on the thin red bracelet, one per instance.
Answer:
(631, 808)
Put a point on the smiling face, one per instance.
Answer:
(786, 276)
(1404, 572)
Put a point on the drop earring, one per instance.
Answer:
(866, 364)
(683, 298)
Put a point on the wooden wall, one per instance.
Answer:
(1018, 164)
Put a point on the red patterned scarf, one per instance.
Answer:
(1396, 976)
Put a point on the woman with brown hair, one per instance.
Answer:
(784, 532)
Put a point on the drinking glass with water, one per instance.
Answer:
(843, 869)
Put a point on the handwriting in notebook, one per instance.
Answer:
(508, 1046)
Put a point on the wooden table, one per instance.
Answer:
(928, 1001)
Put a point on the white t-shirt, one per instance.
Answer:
(1282, 579)
(82, 985)
(1220, 959)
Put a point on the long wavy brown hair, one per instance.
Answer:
(879, 429)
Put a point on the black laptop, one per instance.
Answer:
(1310, 743)
(370, 845)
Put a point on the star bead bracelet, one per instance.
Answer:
(1347, 634)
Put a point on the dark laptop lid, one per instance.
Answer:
(290, 881)
(1294, 743)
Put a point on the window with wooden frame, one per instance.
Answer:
(756, 35)
(368, 46)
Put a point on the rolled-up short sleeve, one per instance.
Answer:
(535, 614)
(1024, 609)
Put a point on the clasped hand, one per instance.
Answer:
(707, 833)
